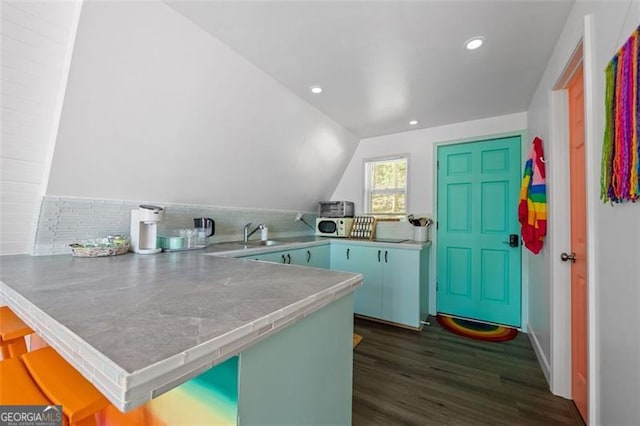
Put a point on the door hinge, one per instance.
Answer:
(437, 225)
(437, 285)
(438, 164)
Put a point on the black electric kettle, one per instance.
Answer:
(205, 226)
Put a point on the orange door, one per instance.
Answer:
(579, 355)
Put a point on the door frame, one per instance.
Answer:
(524, 282)
(559, 218)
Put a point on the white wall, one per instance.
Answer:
(156, 109)
(37, 41)
(614, 232)
(420, 145)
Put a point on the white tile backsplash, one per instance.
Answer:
(402, 229)
(62, 221)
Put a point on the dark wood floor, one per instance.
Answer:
(438, 378)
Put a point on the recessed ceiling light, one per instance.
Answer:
(316, 89)
(413, 122)
(474, 43)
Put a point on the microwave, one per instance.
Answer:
(334, 226)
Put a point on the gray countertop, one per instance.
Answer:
(139, 325)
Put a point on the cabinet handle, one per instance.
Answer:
(385, 256)
(289, 258)
(379, 255)
(348, 253)
(308, 256)
(284, 260)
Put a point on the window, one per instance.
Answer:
(385, 186)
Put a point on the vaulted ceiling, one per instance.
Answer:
(382, 64)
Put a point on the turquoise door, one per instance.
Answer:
(478, 272)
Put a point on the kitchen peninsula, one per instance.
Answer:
(139, 326)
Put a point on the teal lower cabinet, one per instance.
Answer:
(319, 256)
(364, 260)
(401, 289)
(316, 256)
(276, 257)
(395, 287)
(396, 280)
(300, 375)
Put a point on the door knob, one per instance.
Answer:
(572, 257)
(514, 240)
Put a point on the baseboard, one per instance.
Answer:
(542, 359)
(381, 321)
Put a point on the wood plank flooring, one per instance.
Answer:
(403, 377)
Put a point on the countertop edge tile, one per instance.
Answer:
(230, 344)
(64, 341)
(128, 389)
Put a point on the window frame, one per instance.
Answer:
(367, 192)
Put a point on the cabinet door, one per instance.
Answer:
(401, 286)
(295, 257)
(291, 257)
(341, 260)
(275, 257)
(367, 261)
(312, 256)
(317, 256)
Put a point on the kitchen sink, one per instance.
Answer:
(262, 243)
(241, 245)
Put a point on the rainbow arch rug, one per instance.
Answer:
(477, 330)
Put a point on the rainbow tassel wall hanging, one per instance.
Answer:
(619, 179)
(532, 208)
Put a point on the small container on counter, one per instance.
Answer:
(190, 237)
(421, 233)
(118, 239)
(171, 243)
(420, 228)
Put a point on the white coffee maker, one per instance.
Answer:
(144, 229)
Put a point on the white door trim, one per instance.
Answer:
(559, 220)
(559, 241)
(593, 144)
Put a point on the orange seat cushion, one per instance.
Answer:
(16, 385)
(63, 384)
(11, 327)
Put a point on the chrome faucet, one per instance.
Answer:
(248, 234)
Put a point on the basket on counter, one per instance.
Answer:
(100, 248)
